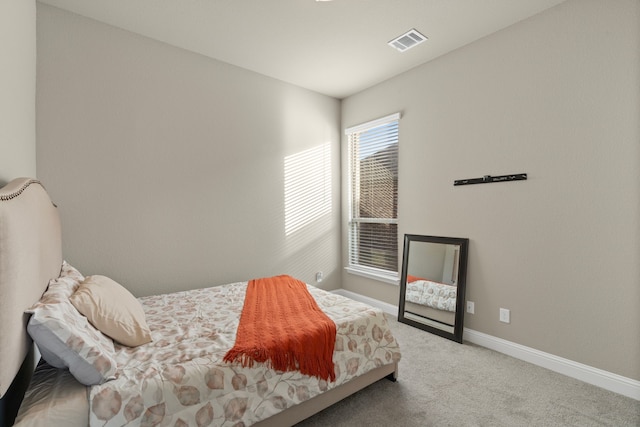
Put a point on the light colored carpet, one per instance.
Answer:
(443, 383)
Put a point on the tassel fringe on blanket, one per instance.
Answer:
(281, 325)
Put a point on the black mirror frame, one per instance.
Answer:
(458, 328)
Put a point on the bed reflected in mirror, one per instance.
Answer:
(433, 283)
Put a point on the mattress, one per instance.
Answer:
(180, 379)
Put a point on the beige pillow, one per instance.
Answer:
(113, 310)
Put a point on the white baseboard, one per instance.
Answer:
(598, 377)
(603, 379)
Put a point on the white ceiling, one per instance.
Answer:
(334, 47)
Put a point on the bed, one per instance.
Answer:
(178, 377)
(430, 299)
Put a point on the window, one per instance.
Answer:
(373, 194)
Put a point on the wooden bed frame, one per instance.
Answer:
(31, 255)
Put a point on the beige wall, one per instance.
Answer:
(556, 96)
(169, 167)
(17, 89)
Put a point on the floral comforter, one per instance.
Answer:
(179, 378)
(432, 294)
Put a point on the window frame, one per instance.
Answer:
(380, 274)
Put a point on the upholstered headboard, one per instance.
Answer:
(30, 255)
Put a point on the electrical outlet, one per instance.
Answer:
(471, 307)
(319, 276)
(505, 315)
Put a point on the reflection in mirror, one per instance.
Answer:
(433, 283)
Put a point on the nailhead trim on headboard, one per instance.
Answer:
(20, 190)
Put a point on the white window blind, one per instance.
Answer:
(373, 190)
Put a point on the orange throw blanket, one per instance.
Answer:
(282, 325)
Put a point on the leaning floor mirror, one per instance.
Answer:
(433, 283)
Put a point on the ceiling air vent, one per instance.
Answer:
(408, 40)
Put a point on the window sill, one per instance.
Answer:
(379, 275)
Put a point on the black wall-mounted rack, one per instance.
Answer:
(487, 179)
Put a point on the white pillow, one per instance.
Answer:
(65, 337)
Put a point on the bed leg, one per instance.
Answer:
(393, 376)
